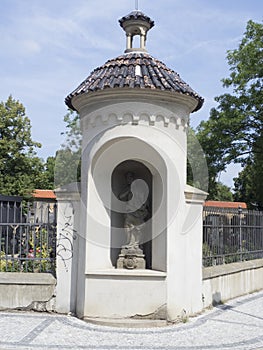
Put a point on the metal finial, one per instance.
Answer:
(136, 5)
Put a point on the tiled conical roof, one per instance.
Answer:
(134, 71)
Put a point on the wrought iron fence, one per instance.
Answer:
(231, 235)
(27, 236)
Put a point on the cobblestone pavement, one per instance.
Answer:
(235, 325)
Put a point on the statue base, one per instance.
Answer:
(131, 258)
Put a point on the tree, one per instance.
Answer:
(19, 166)
(222, 193)
(244, 190)
(197, 172)
(233, 133)
(45, 180)
(73, 133)
(248, 184)
(68, 159)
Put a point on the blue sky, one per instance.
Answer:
(49, 47)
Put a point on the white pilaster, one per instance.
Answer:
(68, 199)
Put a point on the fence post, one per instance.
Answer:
(68, 212)
(240, 231)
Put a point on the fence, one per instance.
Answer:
(231, 235)
(27, 235)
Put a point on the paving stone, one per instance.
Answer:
(236, 325)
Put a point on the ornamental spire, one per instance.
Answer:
(136, 23)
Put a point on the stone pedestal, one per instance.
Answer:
(131, 258)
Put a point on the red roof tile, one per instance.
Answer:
(44, 194)
(220, 204)
(120, 72)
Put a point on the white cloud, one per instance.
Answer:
(30, 47)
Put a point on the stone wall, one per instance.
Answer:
(224, 282)
(27, 291)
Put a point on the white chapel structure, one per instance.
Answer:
(133, 226)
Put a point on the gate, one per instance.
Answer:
(27, 235)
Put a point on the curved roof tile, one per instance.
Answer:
(121, 72)
(136, 15)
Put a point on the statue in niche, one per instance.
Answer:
(136, 198)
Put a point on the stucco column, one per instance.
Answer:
(128, 41)
(68, 198)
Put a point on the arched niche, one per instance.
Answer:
(110, 160)
(118, 235)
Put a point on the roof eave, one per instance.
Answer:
(107, 96)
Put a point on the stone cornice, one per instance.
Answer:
(194, 195)
(91, 102)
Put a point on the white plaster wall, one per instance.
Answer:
(26, 290)
(68, 237)
(125, 294)
(154, 133)
(184, 274)
(192, 231)
(224, 282)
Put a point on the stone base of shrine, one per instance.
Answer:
(124, 293)
(131, 258)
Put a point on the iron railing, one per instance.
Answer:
(231, 235)
(27, 236)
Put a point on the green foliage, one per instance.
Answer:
(222, 193)
(45, 180)
(68, 159)
(73, 132)
(20, 168)
(7, 264)
(246, 63)
(197, 172)
(248, 184)
(67, 166)
(233, 133)
(206, 250)
(36, 259)
(38, 256)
